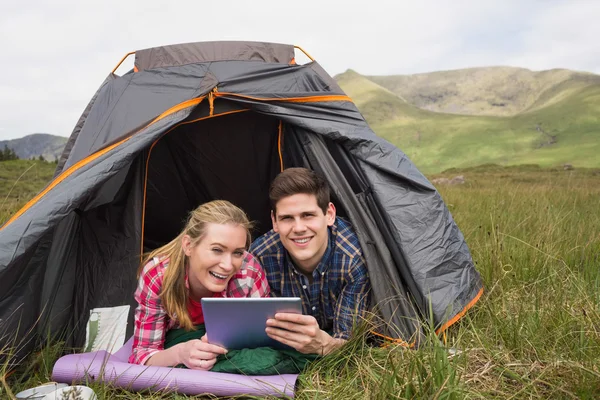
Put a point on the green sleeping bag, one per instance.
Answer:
(259, 361)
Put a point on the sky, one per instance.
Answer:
(55, 54)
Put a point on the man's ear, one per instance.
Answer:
(274, 222)
(330, 214)
(186, 245)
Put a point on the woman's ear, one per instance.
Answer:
(186, 245)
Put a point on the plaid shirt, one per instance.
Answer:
(151, 319)
(340, 288)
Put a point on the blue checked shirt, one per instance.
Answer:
(340, 290)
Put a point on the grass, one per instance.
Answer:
(534, 234)
(20, 180)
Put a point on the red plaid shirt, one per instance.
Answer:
(151, 319)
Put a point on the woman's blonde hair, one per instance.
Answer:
(174, 293)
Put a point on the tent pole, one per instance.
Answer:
(305, 53)
(122, 59)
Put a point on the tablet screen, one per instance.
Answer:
(239, 323)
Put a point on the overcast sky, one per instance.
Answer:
(55, 54)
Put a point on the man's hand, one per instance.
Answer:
(301, 332)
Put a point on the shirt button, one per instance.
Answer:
(314, 308)
(303, 286)
(322, 273)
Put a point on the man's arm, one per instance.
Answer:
(302, 332)
(353, 302)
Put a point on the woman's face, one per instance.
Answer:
(215, 259)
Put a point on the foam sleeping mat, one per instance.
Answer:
(114, 369)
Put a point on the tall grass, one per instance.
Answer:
(534, 235)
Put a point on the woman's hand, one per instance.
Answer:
(199, 354)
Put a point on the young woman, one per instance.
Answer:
(207, 259)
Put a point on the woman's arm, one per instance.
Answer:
(151, 325)
(150, 316)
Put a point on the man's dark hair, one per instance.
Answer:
(299, 180)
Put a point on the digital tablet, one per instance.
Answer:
(239, 323)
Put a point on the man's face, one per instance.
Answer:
(302, 227)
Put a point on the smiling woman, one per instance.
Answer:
(214, 259)
(207, 259)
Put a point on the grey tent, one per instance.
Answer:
(218, 120)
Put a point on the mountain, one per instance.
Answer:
(474, 116)
(500, 91)
(37, 144)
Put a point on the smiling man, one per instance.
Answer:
(314, 255)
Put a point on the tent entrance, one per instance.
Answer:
(232, 157)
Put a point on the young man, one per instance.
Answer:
(313, 255)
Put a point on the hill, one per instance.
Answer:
(499, 91)
(553, 120)
(48, 146)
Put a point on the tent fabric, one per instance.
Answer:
(78, 126)
(153, 144)
(391, 297)
(181, 54)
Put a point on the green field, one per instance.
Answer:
(559, 125)
(20, 180)
(535, 237)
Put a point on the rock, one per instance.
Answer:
(440, 181)
(457, 180)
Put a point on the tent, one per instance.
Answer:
(218, 120)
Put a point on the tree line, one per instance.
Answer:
(8, 154)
